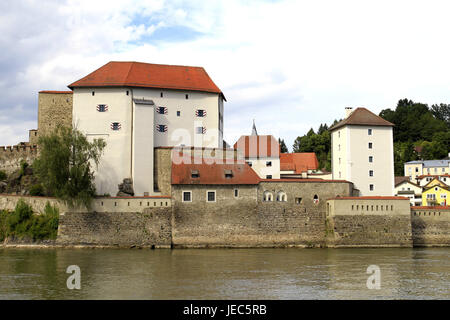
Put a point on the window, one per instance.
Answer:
(417, 169)
(200, 113)
(269, 176)
(93, 93)
(187, 96)
(236, 193)
(200, 130)
(370, 145)
(116, 126)
(281, 196)
(370, 158)
(371, 187)
(102, 108)
(128, 93)
(316, 199)
(339, 174)
(187, 196)
(211, 196)
(161, 95)
(195, 174)
(268, 163)
(339, 147)
(298, 200)
(339, 134)
(443, 196)
(161, 110)
(178, 113)
(267, 196)
(370, 173)
(369, 132)
(249, 163)
(161, 128)
(228, 174)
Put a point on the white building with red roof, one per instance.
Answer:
(362, 152)
(136, 107)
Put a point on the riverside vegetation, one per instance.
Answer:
(62, 170)
(23, 224)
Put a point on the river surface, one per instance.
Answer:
(405, 273)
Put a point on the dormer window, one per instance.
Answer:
(200, 113)
(228, 174)
(161, 110)
(195, 174)
(102, 108)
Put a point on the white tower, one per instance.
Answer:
(362, 152)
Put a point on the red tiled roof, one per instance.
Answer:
(433, 175)
(401, 179)
(370, 198)
(431, 207)
(362, 117)
(59, 92)
(302, 180)
(258, 146)
(148, 75)
(300, 162)
(213, 174)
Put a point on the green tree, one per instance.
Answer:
(64, 166)
(283, 146)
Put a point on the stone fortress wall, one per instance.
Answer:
(54, 108)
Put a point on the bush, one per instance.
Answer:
(23, 166)
(22, 223)
(3, 175)
(37, 190)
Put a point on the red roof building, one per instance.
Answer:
(213, 174)
(148, 75)
(256, 146)
(298, 162)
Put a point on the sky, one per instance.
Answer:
(290, 65)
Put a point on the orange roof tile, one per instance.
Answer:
(148, 75)
(433, 175)
(263, 146)
(213, 174)
(301, 162)
(370, 198)
(362, 117)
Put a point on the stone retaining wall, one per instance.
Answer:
(430, 226)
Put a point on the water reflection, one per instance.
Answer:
(225, 273)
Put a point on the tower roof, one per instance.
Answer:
(254, 132)
(148, 75)
(362, 117)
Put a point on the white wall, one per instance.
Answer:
(143, 136)
(340, 165)
(121, 159)
(115, 164)
(181, 129)
(262, 170)
(383, 160)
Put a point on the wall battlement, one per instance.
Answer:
(11, 156)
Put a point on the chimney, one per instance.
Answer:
(348, 111)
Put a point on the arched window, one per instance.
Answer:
(267, 196)
(316, 199)
(281, 196)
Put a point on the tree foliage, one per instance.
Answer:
(319, 143)
(64, 166)
(418, 127)
(283, 146)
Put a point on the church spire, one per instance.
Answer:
(254, 132)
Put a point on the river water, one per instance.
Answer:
(405, 273)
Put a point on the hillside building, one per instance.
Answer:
(417, 168)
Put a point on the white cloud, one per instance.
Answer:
(289, 64)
